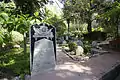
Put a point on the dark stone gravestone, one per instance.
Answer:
(43, 48)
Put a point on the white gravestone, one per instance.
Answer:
(79, 51)
(43, 54)
(43, 59)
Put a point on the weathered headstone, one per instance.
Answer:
(64, 42)
(94, 44)
(79, 51)
(66, 37)
(43, 48)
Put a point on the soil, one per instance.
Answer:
(6, 73)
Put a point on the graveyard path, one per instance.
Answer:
(92, 69)
(62, 57)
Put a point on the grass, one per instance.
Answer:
(14, 62)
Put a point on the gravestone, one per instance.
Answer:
(94, 44)
(64, 42)
(66, 38)
(79, 51)
(43, 48)
(119, 29)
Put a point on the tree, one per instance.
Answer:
(56, 21)
(30, 6)
(82, 10)
(110, 19)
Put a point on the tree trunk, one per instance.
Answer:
(68, 22)
(89, 28)
(25, 48)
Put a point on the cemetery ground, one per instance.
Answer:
(15, 63)
(91, 69)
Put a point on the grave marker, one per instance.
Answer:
(43, 48)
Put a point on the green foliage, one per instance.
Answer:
(7, 7)
(5, 36)
(29, 6)
(57, 22)
(20, 23)
(110, 18)
(98, 29)
(86, 47)
(1, 37)
(17, 37)
(8, 23)
(4, 16)
(77, 9)
(78, 29)
(81, 11)
(16, 61)
(11, 21)
(72, 46)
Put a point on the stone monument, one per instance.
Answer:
(43, 48)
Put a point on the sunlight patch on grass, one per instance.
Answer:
(11, 62)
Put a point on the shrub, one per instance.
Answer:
(72, 46)
(1, 36)
(14, 62)
(17, 37)
(1, 40)
(86, 47)
(4, 37)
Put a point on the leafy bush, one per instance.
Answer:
(5, 37)
(72, 46)
(15, 61)
(1, 38)
(86, 47)
(17, 37)
(10, 39)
